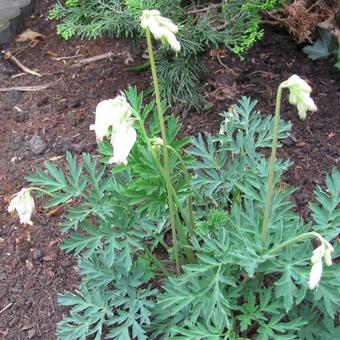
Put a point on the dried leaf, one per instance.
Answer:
(29, 35)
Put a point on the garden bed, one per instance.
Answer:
(38, 126)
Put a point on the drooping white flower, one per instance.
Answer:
(116, 114)
(162, 28)
(24, 205)
(110, 113)
(322, 252)
(315, 274)
(300, 95)
(123, 138)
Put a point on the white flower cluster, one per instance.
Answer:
(322, 252)
(163, 29)
(299, 95)
(116, 114)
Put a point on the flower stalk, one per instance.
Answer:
(175, 228)
(191, 221)
(311, 234)
(299, 96)
(272, 161)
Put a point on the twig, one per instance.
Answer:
(92, 59)
(8, 55)
(205, 9)
(19, 75)
(3, 309)
(67, 58)
(26, 88)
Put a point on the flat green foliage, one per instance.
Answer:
(230, 23)
(117, 222)
(325, 46)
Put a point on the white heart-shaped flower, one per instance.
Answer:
(116, 114)
(24, 205)
(110, 113)
(122, 140)
(315, 274)
(162, 28)
(299, 95)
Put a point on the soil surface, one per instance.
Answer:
(39, 126)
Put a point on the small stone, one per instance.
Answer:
(20, 116)
(38, 145)
(37, 254)
(2, 276)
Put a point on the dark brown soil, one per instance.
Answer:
(40, 126)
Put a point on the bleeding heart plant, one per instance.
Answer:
(205, 218)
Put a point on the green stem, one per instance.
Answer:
(165, 149)
(301, 237)
(159, 166)
(155, 259)
(42, 190)
(270, 185)
(162, 172)
(187, 179)
(184, 241)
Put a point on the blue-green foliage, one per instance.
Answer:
(117, 224)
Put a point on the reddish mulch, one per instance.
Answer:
(32, 267)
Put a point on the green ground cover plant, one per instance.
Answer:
(203, 25)
(192, 238)
(325, 46)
